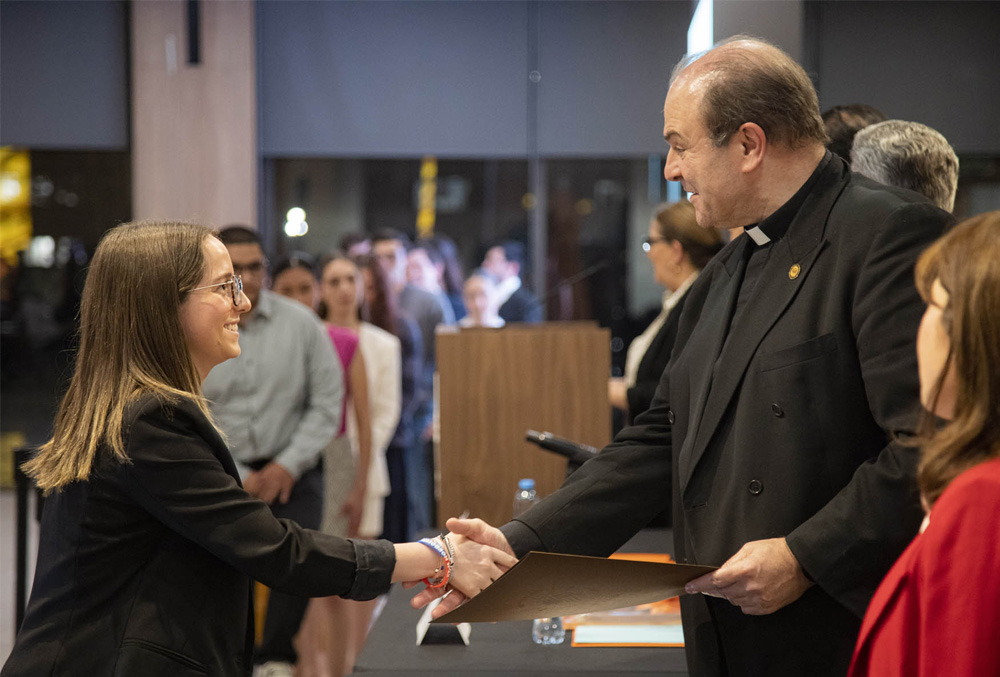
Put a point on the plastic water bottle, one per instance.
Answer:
(543, 630)
(548, 630)
(525, 496)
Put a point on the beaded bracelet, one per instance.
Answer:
(447, 559)
(442, 580)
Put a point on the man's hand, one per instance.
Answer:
(269, 483)
(461, 529)
(761, 578)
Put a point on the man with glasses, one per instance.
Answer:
(279, 405)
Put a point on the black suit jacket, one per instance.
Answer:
(654, 362)
(522, 306)
(145, 569)
(806, 394)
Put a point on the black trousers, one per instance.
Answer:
(285, 612)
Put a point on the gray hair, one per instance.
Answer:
(908, 155)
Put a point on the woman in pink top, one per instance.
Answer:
(938, 610)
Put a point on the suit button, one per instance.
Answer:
(777, 410)
(670, 416)
(755, 487)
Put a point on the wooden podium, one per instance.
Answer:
(495, 384)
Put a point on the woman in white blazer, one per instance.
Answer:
(336, 629)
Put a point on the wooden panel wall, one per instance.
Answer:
(194, 135)
(493, 385)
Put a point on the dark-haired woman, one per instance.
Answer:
(148, 540)
(937, 612)
(380, 310)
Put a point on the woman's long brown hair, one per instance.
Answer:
(967, 262)
(131, 344)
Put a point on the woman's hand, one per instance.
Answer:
(618, 393)
(477, 569)
(354, 506)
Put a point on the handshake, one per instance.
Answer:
(473, 555)
(761, 578)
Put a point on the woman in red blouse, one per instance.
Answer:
(938, 610)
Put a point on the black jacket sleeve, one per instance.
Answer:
(177, 475)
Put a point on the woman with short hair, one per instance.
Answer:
(148, 540)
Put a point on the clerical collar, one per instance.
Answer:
(776, 225)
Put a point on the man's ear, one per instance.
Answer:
(515, 267)
(753, 144)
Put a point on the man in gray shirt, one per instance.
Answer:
(279, 404)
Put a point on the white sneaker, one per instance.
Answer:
(274, 669)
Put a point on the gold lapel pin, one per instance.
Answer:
(794, 271)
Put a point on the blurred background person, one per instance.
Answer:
(379, 310)
(908, 155)
(505, 262)
(424, 267)
(341, 295)
(480, 297)
(294, 278)
(449, 270)
(678, 249)
(429, 311)
(937, 612)
(843, 122)
(356, 244)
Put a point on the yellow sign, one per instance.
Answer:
(427, 197)
(15, 202)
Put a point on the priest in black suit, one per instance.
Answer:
(778, 419)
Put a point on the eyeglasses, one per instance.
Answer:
(235, 284)
(648, 243)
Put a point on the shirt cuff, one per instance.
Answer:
(521, 538)
(296, 463)
(375, 563)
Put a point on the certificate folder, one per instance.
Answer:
(545, 584)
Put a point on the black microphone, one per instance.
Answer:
(568, 282)
(578, 454)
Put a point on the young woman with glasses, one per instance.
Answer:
(148, 542)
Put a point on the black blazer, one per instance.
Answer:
(653, 362)
(522, 306)
(813, 382)
(146, 568)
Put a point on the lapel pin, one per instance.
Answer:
(794, 271)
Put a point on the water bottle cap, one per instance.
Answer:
(526, 484)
